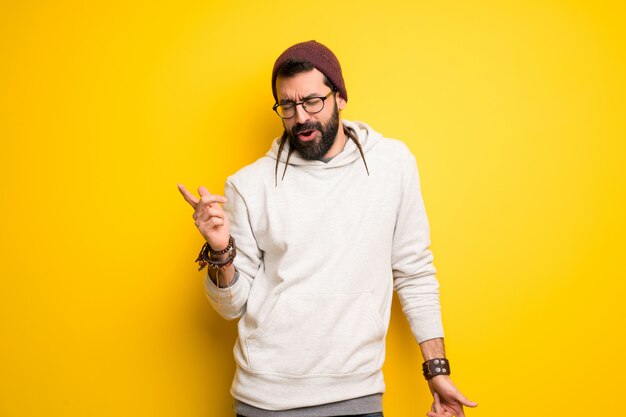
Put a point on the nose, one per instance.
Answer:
(301, 114)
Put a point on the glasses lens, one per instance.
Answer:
(313, 105)
(286, 111)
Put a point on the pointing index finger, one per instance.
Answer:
(190, 198)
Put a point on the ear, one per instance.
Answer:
(341, 102)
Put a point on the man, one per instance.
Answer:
(313, 239)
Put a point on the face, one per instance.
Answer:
(313, 135)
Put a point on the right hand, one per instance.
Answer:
(209, 216)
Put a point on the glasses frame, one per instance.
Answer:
(295, 105)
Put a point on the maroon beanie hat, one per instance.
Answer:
(320, 57)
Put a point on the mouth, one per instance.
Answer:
(307, 135)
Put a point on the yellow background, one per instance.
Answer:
(515, 111)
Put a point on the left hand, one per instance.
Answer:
(447, 399)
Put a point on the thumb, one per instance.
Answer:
(466, 402)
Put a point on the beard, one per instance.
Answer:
(318, 147)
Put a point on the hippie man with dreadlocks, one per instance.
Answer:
(309, 245)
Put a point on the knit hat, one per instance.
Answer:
(320, 57)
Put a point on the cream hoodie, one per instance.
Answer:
(318, 257)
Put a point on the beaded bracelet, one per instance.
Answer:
(231, 244)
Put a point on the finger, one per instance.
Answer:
(207, 224)
(202, 190)
(433, 414)
(215, 211)
(190, 198)
(437, 403)
(205, 213)
(461, 399)
(469, 403)
(215, 222)
(208, 199)
(454, 409)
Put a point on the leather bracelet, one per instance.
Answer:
(221, 266)
(204, 257)
(437, 366)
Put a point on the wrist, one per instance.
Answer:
(435, 367)
(217, 259)
(218, 245)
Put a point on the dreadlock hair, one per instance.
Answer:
(348, 132)
(283, 139)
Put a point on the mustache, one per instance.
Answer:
(303, 127)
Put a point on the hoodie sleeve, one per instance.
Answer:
(230, 302)
(412, 260)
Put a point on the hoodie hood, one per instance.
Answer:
(366, 136)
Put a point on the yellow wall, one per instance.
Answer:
(516, 113)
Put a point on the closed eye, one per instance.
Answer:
(312, 101)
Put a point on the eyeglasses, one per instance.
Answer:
(310, 105)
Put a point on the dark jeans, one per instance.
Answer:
(354, 415)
